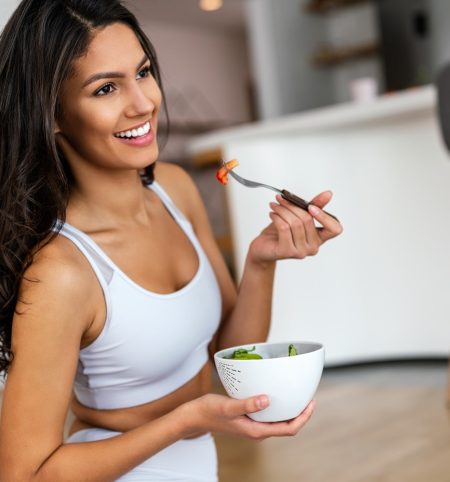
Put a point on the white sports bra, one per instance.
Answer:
(151, 344)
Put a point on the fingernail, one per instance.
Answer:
(262, 402)
(313, 209)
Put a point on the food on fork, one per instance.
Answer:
(222, 173)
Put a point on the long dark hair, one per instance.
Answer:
(37, 49)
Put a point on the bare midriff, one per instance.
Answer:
(124, 419)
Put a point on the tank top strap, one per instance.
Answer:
(103, 270)
(168, 202)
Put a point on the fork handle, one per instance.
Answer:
(301, 203)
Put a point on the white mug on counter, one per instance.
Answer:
(363, 89)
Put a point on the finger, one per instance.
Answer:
(236, 408)
(305, 415)
(291, 206)
(285, 241)
(296, 227)
(311, 235)
(322, 199)
(293, 426)
(283, 429)
(331, 227)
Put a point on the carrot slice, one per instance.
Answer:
(231, 164)
(222, 173)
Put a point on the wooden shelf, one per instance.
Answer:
(208, 158)
(323, 6)
(330, 56)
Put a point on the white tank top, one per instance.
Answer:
(151, 343)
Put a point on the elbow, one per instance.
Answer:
(16, 472)
(17, 467)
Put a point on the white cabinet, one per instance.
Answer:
(381, 290)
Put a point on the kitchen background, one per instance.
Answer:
(329, 94)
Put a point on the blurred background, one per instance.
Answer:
(312, 95)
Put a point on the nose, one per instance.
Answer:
(142, 100)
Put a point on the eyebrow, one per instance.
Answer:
(111, 75)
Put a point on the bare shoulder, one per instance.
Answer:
(180, 187)
(61, 260)
(59, 272)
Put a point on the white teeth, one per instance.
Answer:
(141, 131)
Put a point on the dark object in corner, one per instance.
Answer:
(443, 103)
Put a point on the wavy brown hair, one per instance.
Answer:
(37, 49)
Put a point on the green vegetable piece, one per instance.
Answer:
(248, 356)
(243, 354)
(292, 350)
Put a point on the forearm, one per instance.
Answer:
(249, 321)
(107, 460)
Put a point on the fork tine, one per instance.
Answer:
(240, 179)
(248, 183)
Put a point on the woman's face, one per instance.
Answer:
(111, 96)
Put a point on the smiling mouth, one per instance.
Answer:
(141, 131)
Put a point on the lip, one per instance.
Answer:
(139, 141)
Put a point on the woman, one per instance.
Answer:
(112, 283)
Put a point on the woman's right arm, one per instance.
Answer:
(51, 319)
(55, 308)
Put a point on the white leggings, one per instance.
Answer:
(188, 460)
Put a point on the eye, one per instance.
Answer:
(104, 90)
(145, 72)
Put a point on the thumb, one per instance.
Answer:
(250, 405)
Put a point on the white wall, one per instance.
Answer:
(281, 37)
(6, 9)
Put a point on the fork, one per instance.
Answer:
(298, 201)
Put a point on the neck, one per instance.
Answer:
(117, 199)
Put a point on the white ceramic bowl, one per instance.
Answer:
(289, 381)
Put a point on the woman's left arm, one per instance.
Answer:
(291, 234)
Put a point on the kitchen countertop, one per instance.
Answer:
(340, 115)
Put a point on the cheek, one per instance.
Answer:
(89, 121)
(156, 94)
